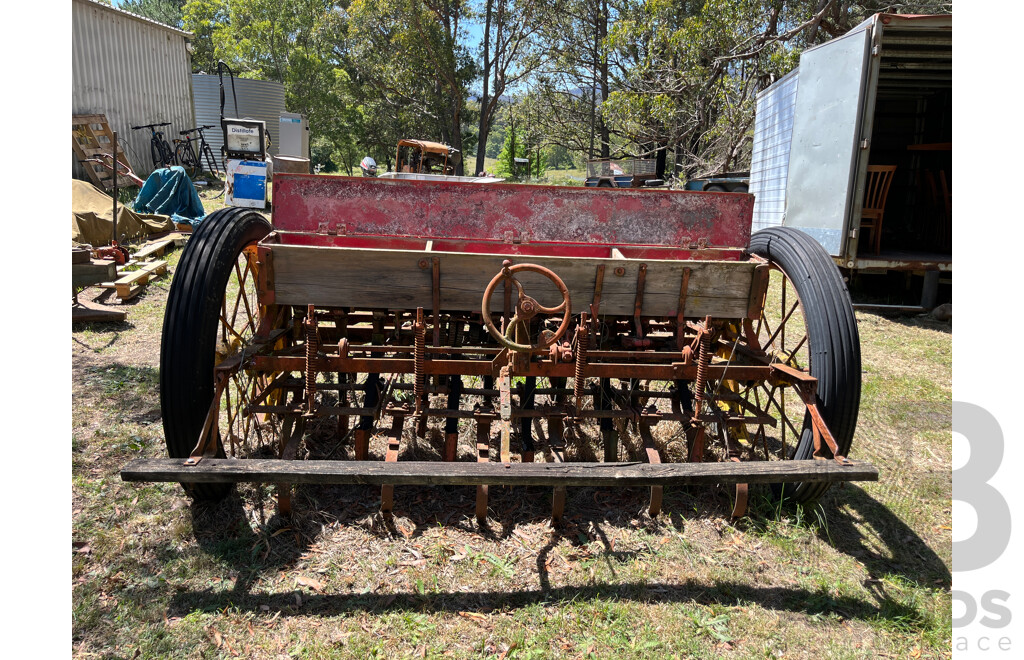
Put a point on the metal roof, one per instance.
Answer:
(426, 145)
(916, 52)
(257, 99)
(137, 17)
(134, 71)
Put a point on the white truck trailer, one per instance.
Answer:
(880, 94)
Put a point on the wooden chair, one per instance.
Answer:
(877, 190)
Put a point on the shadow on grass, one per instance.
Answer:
(873, 522)
(793, 599)
(224, 532)
(912, 320)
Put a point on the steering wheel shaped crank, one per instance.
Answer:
(526, 308)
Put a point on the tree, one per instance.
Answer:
(410, 57)
(294, 42)
(203, 18)
(168, 12)
(511, 53)
(578, 74)
(690, 71)
(522, 140)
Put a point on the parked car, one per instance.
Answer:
(623, 173)
(727, 182)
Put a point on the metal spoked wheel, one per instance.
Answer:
(186, 157)
(166, 154)
(213, 313)
(807, 324)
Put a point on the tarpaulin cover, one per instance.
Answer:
(92, 212)
(169, 191)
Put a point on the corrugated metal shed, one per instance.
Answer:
(133, 70)
(769, 162)
(257, 99)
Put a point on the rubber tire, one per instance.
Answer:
(206, 158)
(166, 154)
(833, 342)
(604, 184)
(741, 188)
(154, 153)
(189, 340)
(715, 188)
(186, 157)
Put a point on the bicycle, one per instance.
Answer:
(159, 150)
(190, 159)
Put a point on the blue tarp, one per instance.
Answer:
(169, 191)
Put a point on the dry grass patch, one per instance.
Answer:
(864, 574)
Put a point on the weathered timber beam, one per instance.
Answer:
(515, 474)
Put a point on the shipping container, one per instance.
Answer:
(878, 96)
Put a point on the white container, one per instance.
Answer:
(294, 131)
(246, 184)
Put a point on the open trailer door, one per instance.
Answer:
(823, 162)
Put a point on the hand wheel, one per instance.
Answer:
(526, 308)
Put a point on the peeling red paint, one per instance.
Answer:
(431, 209)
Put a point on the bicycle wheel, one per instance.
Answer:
(166, 155)
(154, 153)
(187, 158)
(208, 159)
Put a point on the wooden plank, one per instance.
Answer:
(132, 283)
(87, 142)
(154, 249)
(212, 470)
(126, 292)
(97, 270)
(141, 276)
(393, 279)
(86, 312)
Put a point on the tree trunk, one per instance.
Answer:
(481, 143)
(456, 142)
(603, 32)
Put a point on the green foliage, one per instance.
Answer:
(414, 68)
(604, 77)
(517, 145)
(168, 12)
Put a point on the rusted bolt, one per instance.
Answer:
(424, 263)
(620, 271)
(528, 306)
(506, 264)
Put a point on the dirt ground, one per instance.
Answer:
(866, 573)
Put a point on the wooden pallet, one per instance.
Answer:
(91, 136)
(133, 276)
(130, 283)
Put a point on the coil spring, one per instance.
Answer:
(703, 356)
(459, 333)
(420, 331)
(582, 345)
(312, 346)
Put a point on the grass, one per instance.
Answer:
(865, 573)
